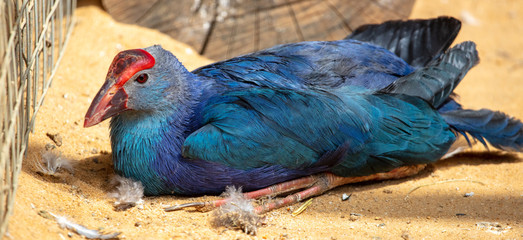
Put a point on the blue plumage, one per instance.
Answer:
(322, 65)
(347, 107)
(373, 132)
(502, 131)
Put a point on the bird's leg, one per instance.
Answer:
(273, 190)
(284, 187)
(316, 185)
(327, 181)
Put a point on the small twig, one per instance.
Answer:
(302, 208)
(446, 181)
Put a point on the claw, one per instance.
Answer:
(197, 205)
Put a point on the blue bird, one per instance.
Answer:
(309, 115)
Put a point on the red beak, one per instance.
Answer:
(110, 100)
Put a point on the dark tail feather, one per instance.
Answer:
(435, 82)
(501, 131)
(415, 41)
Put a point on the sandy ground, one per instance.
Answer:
(377, 210)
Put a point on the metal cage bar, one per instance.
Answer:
(33, 35)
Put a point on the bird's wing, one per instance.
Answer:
(326, 65)
(435, 82)
(350, 134)
(262, 126)
(405, 130)
(415, 41)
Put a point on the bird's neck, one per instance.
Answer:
(139, 138)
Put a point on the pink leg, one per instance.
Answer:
(273, 190)
(284, 187)
(316, 185)
(329, 181)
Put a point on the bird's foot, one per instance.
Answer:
(314, 185)
(199, 206)
(273, 190)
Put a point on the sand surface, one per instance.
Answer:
(377, 210)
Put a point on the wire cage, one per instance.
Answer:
(33, 35)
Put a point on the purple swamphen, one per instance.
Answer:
(309, 115)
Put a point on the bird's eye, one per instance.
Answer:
(142, 78)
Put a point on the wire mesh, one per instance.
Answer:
(33, 34)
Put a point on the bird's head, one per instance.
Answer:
(144, 80)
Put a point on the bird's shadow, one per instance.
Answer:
(478, 158)
(99, 166)
(398, 205)
(465, 158)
